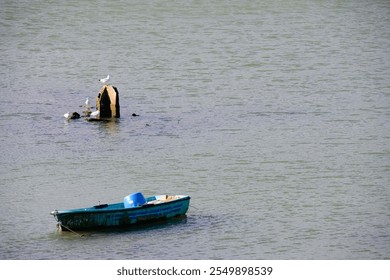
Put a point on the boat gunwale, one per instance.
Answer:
(92, 209)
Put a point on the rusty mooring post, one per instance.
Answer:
(107, 102)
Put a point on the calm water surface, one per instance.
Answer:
(272, 115)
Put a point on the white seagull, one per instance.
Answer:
(87, 102)
(105, 80)
(95, 114)
(67, 115)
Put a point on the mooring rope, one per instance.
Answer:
(61, 225)
(194, 207)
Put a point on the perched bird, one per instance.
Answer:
(105, 80)
(95, 114)
(67, 115)
(87, 102)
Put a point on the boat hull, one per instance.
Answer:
(116, 215)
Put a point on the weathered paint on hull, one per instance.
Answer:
(120, 217)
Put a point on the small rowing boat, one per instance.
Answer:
(134, 209)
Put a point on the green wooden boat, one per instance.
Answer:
(133, 210)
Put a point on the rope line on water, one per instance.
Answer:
(61, 225)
